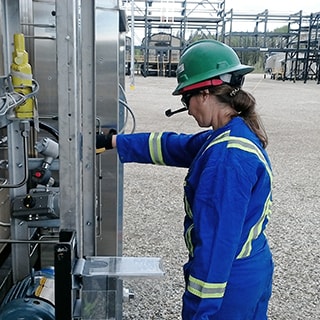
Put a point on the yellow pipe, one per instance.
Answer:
(21, 73)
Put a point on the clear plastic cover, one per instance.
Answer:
(124, 267)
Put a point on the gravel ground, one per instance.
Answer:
(153, 208)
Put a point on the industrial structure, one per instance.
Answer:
(169, 26)
(61, 82)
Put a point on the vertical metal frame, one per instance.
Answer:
(10, 24)
(109, 240)
(108, 80)
(88, 45)
(88, 68)
(19, 229)
(70, 117)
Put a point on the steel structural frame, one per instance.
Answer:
(299, 43)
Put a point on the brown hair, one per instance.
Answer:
(245, 105)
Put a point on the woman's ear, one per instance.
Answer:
(205, 94)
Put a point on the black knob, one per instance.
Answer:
(29, 201)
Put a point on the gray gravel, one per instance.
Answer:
(153, 208)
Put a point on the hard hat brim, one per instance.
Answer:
(241, 69)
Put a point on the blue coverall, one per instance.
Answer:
(227, 202)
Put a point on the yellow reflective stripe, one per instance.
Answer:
(155, 148)
(222, 136)
(248, 146)
(188, 239)
(255, 230)
(187, 207)
(240, 143)
(225, 136)
(206, 290)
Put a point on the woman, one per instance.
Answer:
(227, 191)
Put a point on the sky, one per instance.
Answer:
(274, 6)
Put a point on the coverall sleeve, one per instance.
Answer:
(219, 211)
(163, 148)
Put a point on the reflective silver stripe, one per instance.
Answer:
(155, 148)
(206, 290)
(21, 75)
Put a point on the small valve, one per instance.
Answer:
(48, 148)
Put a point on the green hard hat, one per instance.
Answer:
(208, 59)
